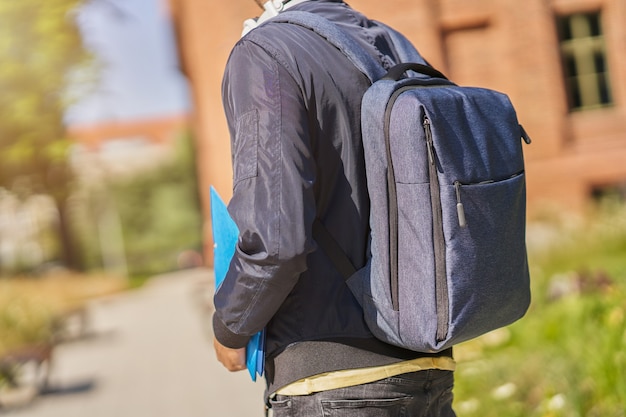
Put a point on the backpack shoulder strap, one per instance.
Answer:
(329, 245)
(338, 38)
(404, 48)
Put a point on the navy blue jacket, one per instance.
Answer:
(292, 102)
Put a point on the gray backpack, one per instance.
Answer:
(445, 175)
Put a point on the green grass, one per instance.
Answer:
(567, 356)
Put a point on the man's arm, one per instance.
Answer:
(273, 203)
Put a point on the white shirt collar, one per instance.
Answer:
(272, 8)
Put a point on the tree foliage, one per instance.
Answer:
(160, 213)
(40, 47)
(41, 53)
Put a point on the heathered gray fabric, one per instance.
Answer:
(487, 273)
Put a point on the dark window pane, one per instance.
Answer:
(570, 66)
(594, 24)
(584, 60)
(564, 29)
(599, 62)
(605, 92)
(574, 93)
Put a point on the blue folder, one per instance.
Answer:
(225, 235)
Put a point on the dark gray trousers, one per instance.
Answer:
(417, 394)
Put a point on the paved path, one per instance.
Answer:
(149, 355)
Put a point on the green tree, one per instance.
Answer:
(160, 212)
(41, 54)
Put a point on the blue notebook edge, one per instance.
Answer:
(225, 235)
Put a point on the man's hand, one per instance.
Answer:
(232, 359)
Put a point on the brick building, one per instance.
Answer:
(124, 147)
(562, 62)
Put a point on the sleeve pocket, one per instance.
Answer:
(246, 146)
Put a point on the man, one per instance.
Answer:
(292, 103)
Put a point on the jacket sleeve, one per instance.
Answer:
(273, 203)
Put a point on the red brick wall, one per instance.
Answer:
(158, 130)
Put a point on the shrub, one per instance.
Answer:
(29, 306)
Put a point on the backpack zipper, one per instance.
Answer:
(392, 206)
(393, 196)
(460, 210)
(441, 282)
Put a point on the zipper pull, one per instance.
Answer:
(525, 135)
(460, 211)
(429, 141)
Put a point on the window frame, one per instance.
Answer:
(584, 60)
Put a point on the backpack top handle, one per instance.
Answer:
(396, 73)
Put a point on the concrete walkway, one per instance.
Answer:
(148, 354)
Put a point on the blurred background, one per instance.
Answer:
(112, 131)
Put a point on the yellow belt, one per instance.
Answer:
(352, 377)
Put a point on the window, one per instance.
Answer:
(584, 61)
